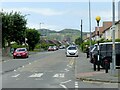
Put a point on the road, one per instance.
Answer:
(45, 70)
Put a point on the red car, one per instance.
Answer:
(20, 52)
(51, 48)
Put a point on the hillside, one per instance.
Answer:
(65, 34)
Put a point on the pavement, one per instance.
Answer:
(88, 74)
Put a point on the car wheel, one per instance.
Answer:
(14, 57)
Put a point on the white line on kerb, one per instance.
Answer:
(16, 75)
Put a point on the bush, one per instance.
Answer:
(15, 45)
(117, 40)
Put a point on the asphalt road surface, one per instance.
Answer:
(44, 70)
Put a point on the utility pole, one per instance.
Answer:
(113, 40)
(90, 25)
(81, 35)
(40, 36)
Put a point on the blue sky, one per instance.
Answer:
(61, 15)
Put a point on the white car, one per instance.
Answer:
(71, 51)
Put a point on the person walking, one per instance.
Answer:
(87, 51)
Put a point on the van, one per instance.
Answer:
(105, 53)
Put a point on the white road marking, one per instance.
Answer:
(29, 63)
(59, 75)
(76, 84)
(36, 75)
(16, 75)
(23, 66)
(66, 82)
(56, 75)
(63, 86)
(69, 66)
(66, 70)
(15, 70)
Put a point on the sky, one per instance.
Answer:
(61, 15)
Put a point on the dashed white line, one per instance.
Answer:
(16, 75)
(76, 84)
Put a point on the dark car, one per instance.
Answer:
(106, 53)
(20, 52)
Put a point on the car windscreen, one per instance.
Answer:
(19, 50)
(72, 48)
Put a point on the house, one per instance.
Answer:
(95, 36)
(117, 30)
(106, 33)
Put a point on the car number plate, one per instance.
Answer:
(18, 55)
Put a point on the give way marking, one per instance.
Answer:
(61, 75)
(36, 75)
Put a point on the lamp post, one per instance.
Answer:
(81, 35)
(25, 33)
(40, 35)
(98, 18)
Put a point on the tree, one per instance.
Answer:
(33, 37)
(13, 27)
(78, 41)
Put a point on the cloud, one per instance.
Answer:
(46, 26)
(41, 11)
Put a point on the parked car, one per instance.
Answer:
(106, 53)
(50, 48)
(62, 47)
(71, 51)
(20, 52)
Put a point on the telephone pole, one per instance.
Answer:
(81, 35)
(113, 40)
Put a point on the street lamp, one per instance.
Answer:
(25, 32)
(40, 35)
(98, 18)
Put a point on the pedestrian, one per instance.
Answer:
(87, 51)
